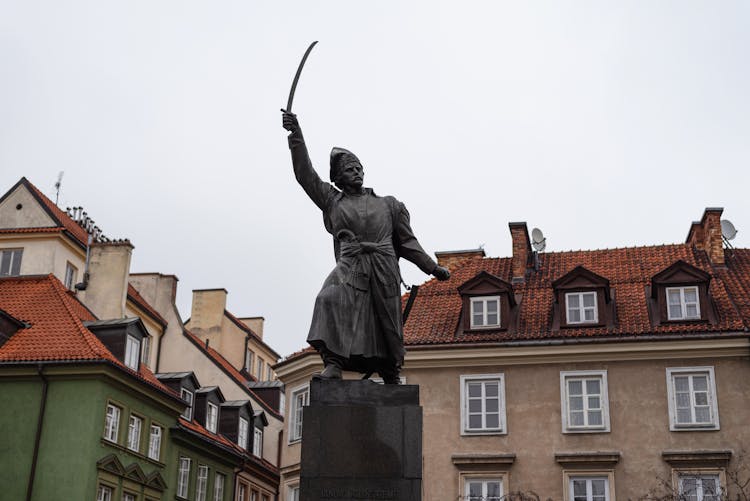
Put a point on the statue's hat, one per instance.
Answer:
(339, 158)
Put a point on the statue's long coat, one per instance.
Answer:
(357, 313)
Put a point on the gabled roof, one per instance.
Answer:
(56, 331)
(435, 313)
(245, 328)
(141, 302)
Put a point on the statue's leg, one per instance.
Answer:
(332, 366)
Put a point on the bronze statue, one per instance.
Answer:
(356, 322)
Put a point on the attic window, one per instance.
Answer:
(10, 262)
(683, 303)
(132, 352)
(581, 307)
(485, 312)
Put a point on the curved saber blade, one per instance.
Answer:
(296, 77)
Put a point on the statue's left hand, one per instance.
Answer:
(289, 121)
(441, 273)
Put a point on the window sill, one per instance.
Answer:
(586, 430)
(294, 441)
(567, 325)
(471, 433)
(694, 427)
(132, 452)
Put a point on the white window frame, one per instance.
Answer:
(299, 394)
(154, 442)
(127, 496)
(582, 309)
(257, 442)
(241, 490)
(249, 360)
(183, 476)
(269, 372)
(219, 480)
(243, 430)
(71, 274)
(502, 418)
(201, 483)
(713, 407)
(484, 480)
(104, 493)
(683, 303)
(132, 352)
(259, 369)
(188, 414)
(588, 477)
(14, 262)
(293, 493)
(484, 300)
(112, 422)
(146, 350)
(135, 426)
(700, 475)
(583, 376)
(212, 417)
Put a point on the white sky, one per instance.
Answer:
(605, 124)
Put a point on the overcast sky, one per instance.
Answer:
(605, 124)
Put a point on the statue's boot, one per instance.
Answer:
(330, 371)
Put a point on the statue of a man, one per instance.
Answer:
(356, 322)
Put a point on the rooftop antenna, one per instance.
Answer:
(537, 240)
(728, 232)
(57, 186)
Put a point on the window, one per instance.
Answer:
(132, 352)
(682, 303)
(112, 423)
(219, 481)
(293, 493)
(257, 442)
(259, 374)
(269, 372)
(154, 442)
(242, 433)
(264, 497)
(71, 273)
(300, 398)
(483, 489)
(254, 496)
(692, 398)
(126, 496)
(581, 307)
(104, 493)
(241, 493)
(212, 416)
(483, 402)
(485, 312)
(134, 432)
(589, 489)
(700, 488)
(585, 404)
(146, 350)
(187, 396)
(183, 476)
(202, 483)
(249, 358)
(10, 262)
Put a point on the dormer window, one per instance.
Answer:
(132, 352)
(683, 303)
(681, 293)
(187, 396)
(485, 312)
(583, 299)
(242, 433)
(212, 417)
(488, 303)
(581, 308)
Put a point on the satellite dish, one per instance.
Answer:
(728, 231)
(537, 240)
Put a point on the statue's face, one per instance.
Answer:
(352, 175)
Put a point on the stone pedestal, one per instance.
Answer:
(361, 441)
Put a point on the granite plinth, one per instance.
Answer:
(361, 441)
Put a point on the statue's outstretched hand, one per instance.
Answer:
(289, 121)
(441, 273)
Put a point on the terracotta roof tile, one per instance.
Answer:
(60, 216)
(434, 318)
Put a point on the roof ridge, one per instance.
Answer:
(56, 213)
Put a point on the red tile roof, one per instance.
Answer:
(56, 332)
(243, 326)
(60, 216)
(239, 377)
(435, 314)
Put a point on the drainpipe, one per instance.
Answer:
(38, 436)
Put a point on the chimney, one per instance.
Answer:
(255, 324)
(207, 311)
(519, 233)
(109, 267)
(451, 259)
(705, 235)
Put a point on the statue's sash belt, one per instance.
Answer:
(359, 274)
